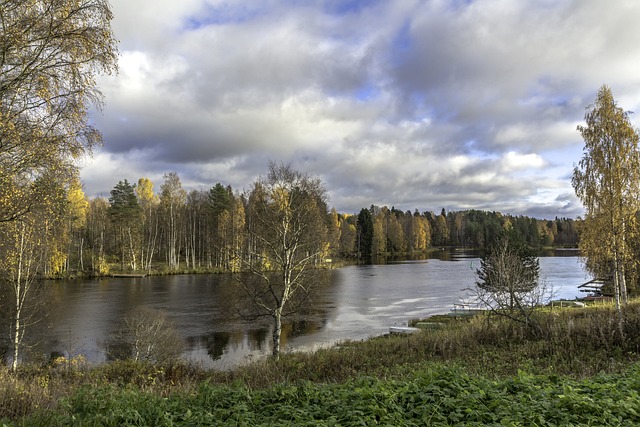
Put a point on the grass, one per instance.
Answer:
(474, 365)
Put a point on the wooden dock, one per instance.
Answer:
(593, 287)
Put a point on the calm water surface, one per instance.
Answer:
(359, 302)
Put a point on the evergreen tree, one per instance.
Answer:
(123, 202)
(365, 234)
(508, 280)
(125, 214)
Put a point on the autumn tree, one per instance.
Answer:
(395, 234)
(334, 229)
(96, 234)
(380, 231)
(172, 201)
(194, 227)
(420, 232)
(25, 248)
(232, 230)
(50, 54)
(76, 214)
(441, 230)
(20, 243)
(348, 236)
(287, 236)
(148, 202)
(607, 182)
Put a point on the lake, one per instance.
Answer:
(358, 302)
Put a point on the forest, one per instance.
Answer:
(175, 230)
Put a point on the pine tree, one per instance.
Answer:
(125, 214)
(365, 234)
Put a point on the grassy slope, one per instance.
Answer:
(486, 371)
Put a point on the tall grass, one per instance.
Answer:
(576, 343)
(579, 342)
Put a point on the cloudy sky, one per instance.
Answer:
(407, 103)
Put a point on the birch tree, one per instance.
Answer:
(24, 244)
(77, 206)
(219, 204)
(231, 226)
(172, 201)
(288, 215)
(50, 54)
(150, 221)
(96, 230)
(607, 182)
(19, 268)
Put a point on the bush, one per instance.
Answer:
(146, 334)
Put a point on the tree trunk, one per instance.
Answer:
(16, 331)
(18, 290)
(277, 331)
(616, 291)
(81, 254)
(132, 251)
(623, 286)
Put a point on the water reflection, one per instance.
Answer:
(356, 302)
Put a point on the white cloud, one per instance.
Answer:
(513, 161)
(413, 104)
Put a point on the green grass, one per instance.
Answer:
(484, 370)
(439, 395)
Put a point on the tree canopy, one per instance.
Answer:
(50, 54)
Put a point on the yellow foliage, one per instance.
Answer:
(102, 267)
(57, 261)
(144, 191)
(281, 200)
(325, 251)
(78, 205)
(266, 262)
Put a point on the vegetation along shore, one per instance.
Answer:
(474, 371)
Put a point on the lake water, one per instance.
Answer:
(357, 302)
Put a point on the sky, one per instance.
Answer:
(424, 105)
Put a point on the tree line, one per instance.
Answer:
(138, 228)
(380, 230)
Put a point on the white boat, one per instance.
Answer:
(403, 330)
